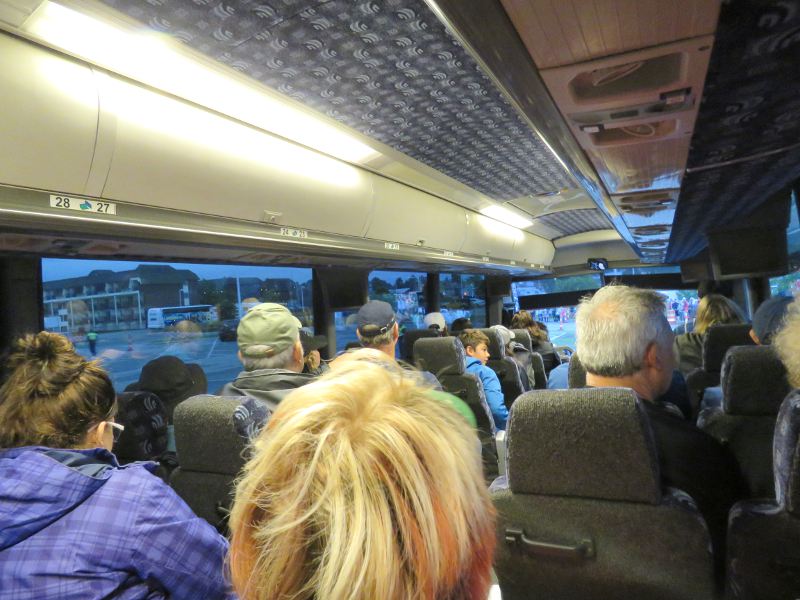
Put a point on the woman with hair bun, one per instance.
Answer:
(73, 523)
(361, 487)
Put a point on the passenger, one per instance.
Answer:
(271, 353)
(787, 342)
(520, 355)
(624, 340)
(312, 361)
(378, 329)
(713, 309)
(361, 487)
(435, 321)
(459, 325)
(476, 345)
(769, 319)
(73, 523)
(540, 339)
(172, 380)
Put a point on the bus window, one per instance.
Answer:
(463, 296)
(140, 311)
(405, 291)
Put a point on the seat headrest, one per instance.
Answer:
(411, 336)
(753, 381)
(576, 373)
(584, 443)
(721, 337)
(786, 454)
(205, 437)
(441, 355)
(523, 337)
(145, 421)
(497, 350)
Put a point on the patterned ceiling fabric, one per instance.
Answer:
(570, 222)
(751, 104)
(389, 70)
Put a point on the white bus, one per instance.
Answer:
(159, 318)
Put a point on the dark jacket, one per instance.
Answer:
(548, 352)
(76, 525)
(689, 347)
(270, 386)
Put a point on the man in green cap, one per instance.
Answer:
(271, 354)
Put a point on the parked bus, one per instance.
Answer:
(169, 316)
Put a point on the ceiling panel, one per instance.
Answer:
(389, 70)
(570, 222)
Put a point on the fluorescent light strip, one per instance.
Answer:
(506, 216)
(150, 59)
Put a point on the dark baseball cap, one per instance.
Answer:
(375, 318)
(312, 342)
(769, 317)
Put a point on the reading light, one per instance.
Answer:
(500, 229)
(506, 216)
(150, 59)
(597, 264)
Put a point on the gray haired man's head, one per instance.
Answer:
(615, 327)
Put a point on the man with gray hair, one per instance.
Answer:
(624, 340)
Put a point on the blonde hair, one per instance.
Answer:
(714, 309)
(787, 343)
(363, 487)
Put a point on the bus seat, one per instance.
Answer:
(753, 386)
(593, 523)
(506, 367)
(409, 338)
(210, 453)
(445, 358)
(576, 375)
(145, 421)
(523, 337)
(539, 371)
(719, 338)
(763, 555)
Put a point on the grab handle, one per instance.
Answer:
(582, 550)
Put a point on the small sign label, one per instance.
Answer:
(294, 233)
(485, 259)
(448, 253)
(391, 246)
(512, 262)
(83, 205)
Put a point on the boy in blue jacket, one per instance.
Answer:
(476, 345)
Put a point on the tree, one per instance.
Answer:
(379, 286)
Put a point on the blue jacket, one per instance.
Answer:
(76, 525)
(491, 386)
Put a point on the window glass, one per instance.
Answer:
(785, 285)
(681, 306)
(463, 296)
(405, 291)
(140, 311)
(346, 328)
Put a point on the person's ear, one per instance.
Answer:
(651, 356)
(298, 352)
(469, 350)
(396, 332)
(754, 337)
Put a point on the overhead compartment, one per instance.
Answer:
(48, 119)
(533, 250)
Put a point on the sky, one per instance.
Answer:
(58, 268)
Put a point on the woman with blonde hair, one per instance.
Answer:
(73, 523)
(361, 486)
(713, 309)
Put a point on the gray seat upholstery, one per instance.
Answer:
(582, 514)
(576, 375)
(210, 453)
(507, 368)
(445, 358)
(763, 547)
(753, 386)
(523, 337)
(409, 338)
(539, 371)
(719, 338)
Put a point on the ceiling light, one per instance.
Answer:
(151, 59)
(506, 216)
(500, 229)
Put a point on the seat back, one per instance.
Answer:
(507, 368)
(523, 337)
(754, 385)
(539, 371)
(593, 523)
(576, 375)
(409, 338)
(763, 559)
(145, 421)
(445, 358)
(210, 453)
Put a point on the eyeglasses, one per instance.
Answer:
(116, 430)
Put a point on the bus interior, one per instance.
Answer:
(473, 158)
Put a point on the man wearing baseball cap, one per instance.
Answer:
(271, 354)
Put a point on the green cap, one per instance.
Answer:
(266, 330)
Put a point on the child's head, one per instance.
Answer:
(476, 344)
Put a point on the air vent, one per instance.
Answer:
(653, 244)
(651, 230)
(646, 204)
(623, 79)
(634, 133)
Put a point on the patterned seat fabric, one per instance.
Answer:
(211, 454)
(409, 338)
(582, 513)
(145, 421)
(763, 554)
(445, 358)
(506, 367)
(576, 376)
(754, 385)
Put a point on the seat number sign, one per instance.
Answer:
(83, 205)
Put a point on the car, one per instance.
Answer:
(227, 330)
